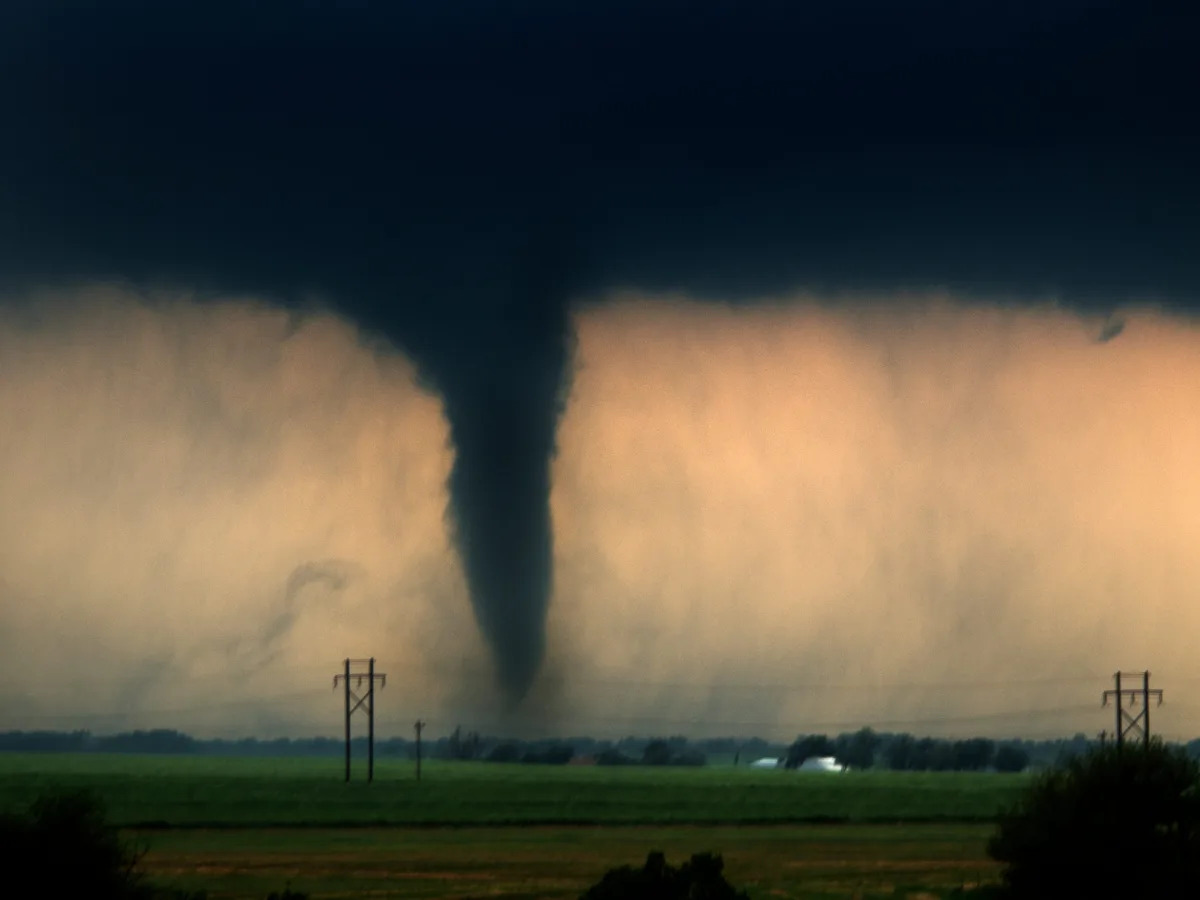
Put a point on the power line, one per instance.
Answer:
(710, 721)
(682, 685)
(669, 719)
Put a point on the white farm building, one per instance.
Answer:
(767, 762)
(821, 764)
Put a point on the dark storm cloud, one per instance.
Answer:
(449, 174)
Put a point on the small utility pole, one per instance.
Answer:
(371, 720)
(417, 726)
(1125, 721)
(367, 700)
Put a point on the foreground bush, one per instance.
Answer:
(65, 846)
(698, 879)
(1120, 823)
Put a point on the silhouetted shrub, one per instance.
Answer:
(65, 846)
(288, 894)
(1121, 823)
(698, 879)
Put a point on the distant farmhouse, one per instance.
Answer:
(821, 764)
(767, 762)
(812, 764)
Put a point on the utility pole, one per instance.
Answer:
(366, 700)
(1126, 722)
(417, 726)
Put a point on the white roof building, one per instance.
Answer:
(767, 762)
(821, 764)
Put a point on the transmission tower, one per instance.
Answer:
(366, 700)
(1127, 722)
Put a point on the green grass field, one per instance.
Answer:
(233, 826)
(215, 792)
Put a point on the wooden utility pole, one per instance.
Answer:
(417, 726)
(367, 701)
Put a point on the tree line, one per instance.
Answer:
(862, 749)
(865, 749)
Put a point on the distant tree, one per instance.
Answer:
(754, 748)
(700, 878)
(392, 747)
(1109, 823)
(507, 752)
(807, 746)
(857, 750)
(689, 756)
(1010, 758)
(900, 752)
(974, 754)
(1079, 745)
(35, 741)
(469, 746)
(613, 757)
(554, 754)
(720, 745)
(939, 754)
(656, 753)
(159, 740)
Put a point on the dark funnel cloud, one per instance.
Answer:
(450, 174)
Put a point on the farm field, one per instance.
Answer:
(243, 827)
(187, 791)
(560, 862)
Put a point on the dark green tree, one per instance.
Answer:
(900, 752)
(610, 756)
(974, 754)
(504, 753)
(806, 746)
(657, 753)
(1010, 758)
(857, 750)
(1110, 823)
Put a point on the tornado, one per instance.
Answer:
(502, 423)
(503, 377)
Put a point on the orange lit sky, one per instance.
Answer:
(805, 514)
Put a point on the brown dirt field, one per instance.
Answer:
(560, 863)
